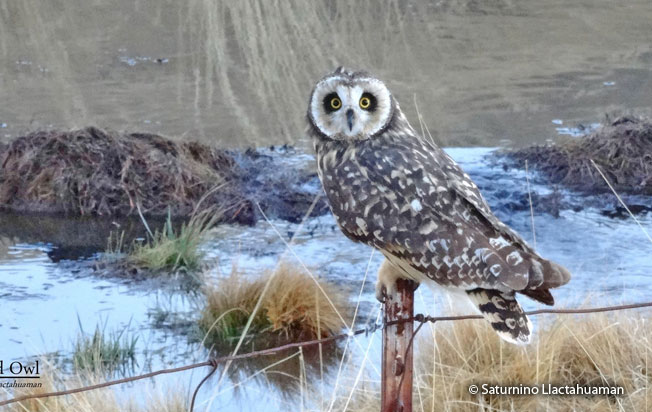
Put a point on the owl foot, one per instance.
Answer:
(388, 274)
(382, 293)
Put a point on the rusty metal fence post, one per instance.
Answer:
(396, 382)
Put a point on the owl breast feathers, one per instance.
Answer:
(406, 197)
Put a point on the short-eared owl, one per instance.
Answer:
(396, 191)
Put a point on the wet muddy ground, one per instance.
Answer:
(608, 256)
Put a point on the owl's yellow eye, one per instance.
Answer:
(332, 103)
(367, 102)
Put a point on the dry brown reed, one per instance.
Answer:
(622, 149)
(100, 400)
(95, 172)
(596, 349)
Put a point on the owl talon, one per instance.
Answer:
(386, 284)
(381, 292)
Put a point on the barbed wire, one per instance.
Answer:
(214, 362)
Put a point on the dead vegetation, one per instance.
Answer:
(95, 172)
(622, 149)
(292, 309)
(587, 350)
(99, 400)
(598, 349)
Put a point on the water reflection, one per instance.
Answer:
(285, 371)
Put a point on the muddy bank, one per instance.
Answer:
(93, 172)
(622, 149)
(282, 180)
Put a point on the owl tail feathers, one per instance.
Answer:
(540, 295)
(554, 275)
(504, 314)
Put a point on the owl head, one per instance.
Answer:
(348, 105)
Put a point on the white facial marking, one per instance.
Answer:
(350, 121)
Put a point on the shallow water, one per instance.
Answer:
(239, 73)
(609, 258)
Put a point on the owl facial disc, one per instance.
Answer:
(350, 106)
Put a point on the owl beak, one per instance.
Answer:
(349, 118)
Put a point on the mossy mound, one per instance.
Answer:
(622, 149)
(95, 172)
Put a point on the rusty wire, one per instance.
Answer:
(214, 362)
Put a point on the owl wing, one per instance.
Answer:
(415, 204)
(468, 192)
(543, 274)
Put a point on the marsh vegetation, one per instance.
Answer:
(170, 249)
(95, 172)
(588, 350)
(621, 149)
(104, 351)
(101, 400)
(285, 304)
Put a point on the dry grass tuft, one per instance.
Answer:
(100, 400)
(622, 149)
(293, 308)
(94, 172)
(593, 349)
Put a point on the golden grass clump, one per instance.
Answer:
(597, 349)
(622, 149)
(95, 172)
(293, 307)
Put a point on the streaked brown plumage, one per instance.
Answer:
(393, 190)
